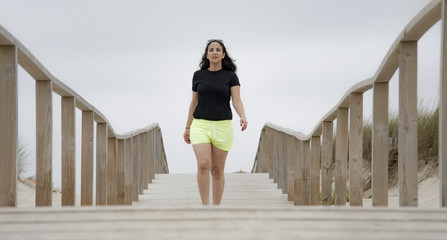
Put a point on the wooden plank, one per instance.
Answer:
(135, 157)
(443, 112)
(8, 126)
(291, 165)
(111, 172)
(140, 169)
(87, 158)
(298, 183)
(245, 223)
(120, 171)
(151, 168)
(306, 172)
(68, 151)
(101, 163)
(275, 157)
(128, 175)
(326, 164)
(408, 126)
(267, 151)
(315, 170)
(380, 145)
(341, 157)
(44, 142)
(144, 180)
(356, 149)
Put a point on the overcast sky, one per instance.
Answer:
(134, 61)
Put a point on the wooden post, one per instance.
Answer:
(87, 159)
(142, 150)
(135, 157)
(341, 157)
(120, 171)
(326, 164)
(145, 161)
(279, 161)
(291, 165)
(356, 149)
(267, 151)
(443, 112)
(315, 170)
(306, 172)
(111, 172)
(151, 155)
(44, 142)
(8, 126)
(380, 145)
(408, 126)
(283, 161)
(275, 157)
(128, 169)
(68, 151)
(298, 183)
(101, 163)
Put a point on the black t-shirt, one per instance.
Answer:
(213, 88)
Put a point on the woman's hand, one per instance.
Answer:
(244, 123)
(186, 136)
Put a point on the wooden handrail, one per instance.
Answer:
(125, 163)
(279, 146)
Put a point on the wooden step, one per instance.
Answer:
(224, 223)
(175, 190)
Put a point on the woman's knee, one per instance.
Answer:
(204, 165)
(217, 172)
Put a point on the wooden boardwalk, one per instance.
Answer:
(180, 190)
(252, 208)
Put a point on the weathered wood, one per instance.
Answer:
(44, 142)
(87, 158)
(356, 149)
(443, 112)
(267, 151)
(298, 183)
(315, 162)
(341, 157)
(135, 156)
(152, 156)
(68, 151)
(275, 157)
(111, 172)
(101, 163)
(326, 164)
(291, 165)
(200, 223)
(128, 173)
(145, 161)
(380, 145)
(140, 163)
(306, 172)
(408, 127)
(8, 126)
(120, 171)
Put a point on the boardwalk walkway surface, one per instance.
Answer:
(252, 208)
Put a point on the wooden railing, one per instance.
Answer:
(125, 164)
(295, 160)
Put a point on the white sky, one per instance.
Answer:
(134, 60)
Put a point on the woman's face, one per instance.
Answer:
(215, 53)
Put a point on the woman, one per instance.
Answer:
(209, 126)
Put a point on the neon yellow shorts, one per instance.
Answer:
(218, 133)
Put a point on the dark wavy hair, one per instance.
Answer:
(227, 62)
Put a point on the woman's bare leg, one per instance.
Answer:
(203, 154)
(218, 157)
